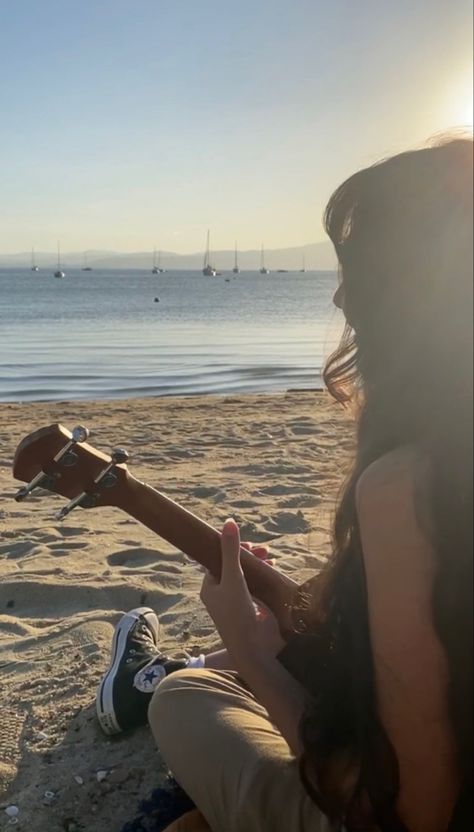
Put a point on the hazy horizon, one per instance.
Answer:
(125, 129)
(314, 256)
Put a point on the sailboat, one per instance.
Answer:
(303, 269)
(157, 265)
(59, 272)
(86, 267)
(263, 270)
(236, 269)
(34, 267)
(208, 270)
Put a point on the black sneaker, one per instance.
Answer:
(136, 668)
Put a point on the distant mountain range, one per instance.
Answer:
(317, 256)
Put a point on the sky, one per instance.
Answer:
(129, 124)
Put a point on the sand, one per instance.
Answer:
(274, 462)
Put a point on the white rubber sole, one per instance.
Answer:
(105, 699)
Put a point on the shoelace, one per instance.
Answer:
(143, 634)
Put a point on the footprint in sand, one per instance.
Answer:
(311, 476)
(243, 503)
(303, 428)
(170, 568)
(280, 489)
(183, 453)
(44, 535)
(287, 522)
(68, 547)
(254, 532)
(11, 730)
(300, 501)
(70, 531)
(18, 550)
(206, 492)
(134, 558)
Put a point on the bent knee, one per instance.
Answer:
(174, 702)
(185, 696)
(161, 700)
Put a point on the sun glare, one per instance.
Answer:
(468, 113)
(463, 106)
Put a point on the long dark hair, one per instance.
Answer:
(402, 231)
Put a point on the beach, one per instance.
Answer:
(275, 462)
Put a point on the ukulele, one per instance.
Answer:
(62, 462)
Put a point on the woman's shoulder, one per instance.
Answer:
(403, 472)
(392, 498)
(401, 468)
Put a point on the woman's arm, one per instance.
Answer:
(282, 696)
(252, 644)
(411, 668)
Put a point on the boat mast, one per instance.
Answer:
(207, 255)
(236, 265)
(262, 258)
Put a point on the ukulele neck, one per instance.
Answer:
(201, 542)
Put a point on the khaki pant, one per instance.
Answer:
(225, 753)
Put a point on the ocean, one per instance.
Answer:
(101, 334)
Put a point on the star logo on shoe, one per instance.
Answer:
(149, 677)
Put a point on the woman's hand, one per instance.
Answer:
(243, 627)
(253, 639)
(260, 552)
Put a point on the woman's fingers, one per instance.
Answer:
(230, 545)
(260, 552)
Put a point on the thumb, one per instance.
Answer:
(230, 546)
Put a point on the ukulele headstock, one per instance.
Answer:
(57, 460)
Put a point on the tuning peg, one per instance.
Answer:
(80, 434)
(41, 480)
(86, 499)
(119, 456)
(64, 457)
(106, 479)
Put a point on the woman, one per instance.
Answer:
(363, 719)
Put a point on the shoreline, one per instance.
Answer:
(273, 461)
(157, 396)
